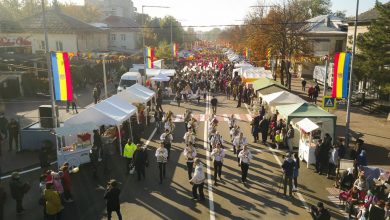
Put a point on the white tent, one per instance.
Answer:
(158, 64)
(132, 96)
(307, 125)
(155, 72)
(243, 64)
(282, 98)
(143, 89)
(161, 78)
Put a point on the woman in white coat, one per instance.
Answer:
(162, 158)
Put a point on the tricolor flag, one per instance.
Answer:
(268, 58)
(341, 75)
(149, 57)
(247, 53)
(174, 50)
(61, 75)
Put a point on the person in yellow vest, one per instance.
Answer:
(128, 152)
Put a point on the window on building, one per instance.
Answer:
(42, 45)
(123, 37)
(113, 37)
(339, 46)
(124, 47)
(59, 46)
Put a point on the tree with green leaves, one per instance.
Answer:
(373, 60)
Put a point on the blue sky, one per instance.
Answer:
(217, 12)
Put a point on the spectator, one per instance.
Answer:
(361, 159)
(333, 161)
(112, 199)
(319, 212)
(288, 169)
(376, 211)
(3, 199)
(13, 131)
(303, 85)
(290, 137)
(53, 206)
(18, 190)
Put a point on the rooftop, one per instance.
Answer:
(325, 24)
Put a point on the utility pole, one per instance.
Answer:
(326, 75)
(49, 71)
(350, 79)
(173, 51)
(105, 76)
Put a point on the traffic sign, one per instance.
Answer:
(329, 102)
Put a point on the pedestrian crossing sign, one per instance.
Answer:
(328, 102)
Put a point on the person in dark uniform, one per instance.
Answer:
(140, 160)
(13, 131)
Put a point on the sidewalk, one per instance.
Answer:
(27, 113)
(376, 128)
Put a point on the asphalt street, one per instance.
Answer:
(261, 198)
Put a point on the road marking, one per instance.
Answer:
(209, 181)
(179, 118)
(246, 106)
(300, 197)
(151, 136)
(249, 117)
(237, 116)
(225, 117)
(27, 171)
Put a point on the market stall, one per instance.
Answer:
(269, 85)
(76, 134)
(296, 112)
(280, 98)
(307, 144)
(154, 72)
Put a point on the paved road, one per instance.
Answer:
(259, 199)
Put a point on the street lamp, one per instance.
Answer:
(350, 78)
(143, 34)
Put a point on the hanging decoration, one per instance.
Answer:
(341, 75)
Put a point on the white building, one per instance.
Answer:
(121, 8)
(327, 34)
(124, 35)
(65, 33)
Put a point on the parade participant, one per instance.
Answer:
(167, 138)
(238, 143)
(204, 92)
(197, 181)
(215, 140)
(140, 160)
(290, 137)
(189, 137)
(232, 122)
(214, 103)
(53, 206)
(193, 125)
(187, 118)
(178, 98)
(18, 190)
(158, 119)
(13, 132)
(255, 128)
(190, 153)
(218, 154)
(112, 199)
(169, 125)
(288, 170)
(235, 131)
(245, 156)
(161, 156)
(128, 152)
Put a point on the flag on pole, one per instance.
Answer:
(60, 65)
(247, 53)
(341, 75)
(174, 50)
(149, 57)
(268, 58)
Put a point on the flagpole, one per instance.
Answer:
(347, 124)
(50, 76)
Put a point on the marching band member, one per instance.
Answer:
(162, 157)
(215, 140)
(232, 122)
(193, 124)
(190, 153)
(235, 131)
(245, 157)
(218, 154)
(187, 118)
(189, 137)
(238, 143)
(166, 139)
